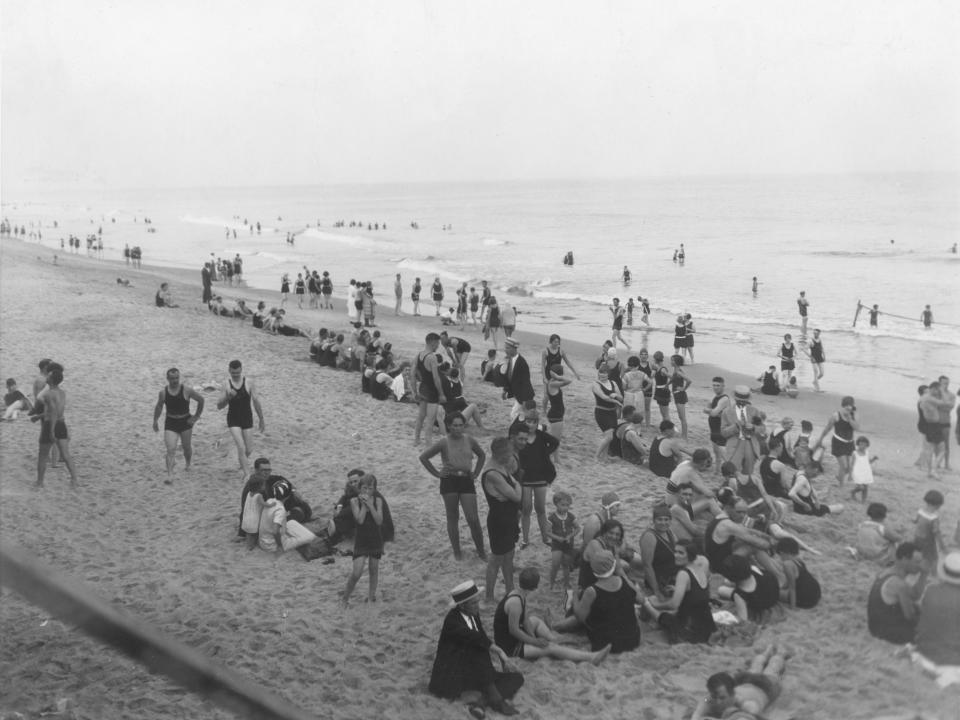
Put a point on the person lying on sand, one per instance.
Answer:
(746, 694)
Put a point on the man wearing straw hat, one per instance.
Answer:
(938, 632)
(743, 427)
(463, 668)
(515, 377)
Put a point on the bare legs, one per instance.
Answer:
(426, 413)
(452, 502)
(63, 445)
(243, 438)
(534, 497)
(538, 628)
(357, 573)
(682, 414)
(494, 564)
(171, 439)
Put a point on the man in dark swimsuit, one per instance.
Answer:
(458, 349)
(802, 305)
(51, 402)
(178, 424)
(238, 396)
(714, 413)
(429, 388)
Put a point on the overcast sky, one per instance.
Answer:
(190, 92)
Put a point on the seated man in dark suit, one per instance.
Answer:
(463, 668)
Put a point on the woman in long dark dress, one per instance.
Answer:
(686, 615)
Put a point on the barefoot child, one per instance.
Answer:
(927, 535)
(874, 540)
(367, 511)
(563, 529)
(862, 471)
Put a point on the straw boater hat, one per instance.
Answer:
(511, 342)
(463, 592)
(948, 569)
(741, 392)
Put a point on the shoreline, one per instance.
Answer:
(165, 554)
(186, 284)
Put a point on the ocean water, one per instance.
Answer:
(882, 239)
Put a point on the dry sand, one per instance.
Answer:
(167, 555)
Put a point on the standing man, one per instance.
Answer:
(428, 389)
(398, 293)
(178, 424)
(238, 396)
(944, 408)
(718, 406)
(874, 312)
(515, 377)
(458, 349)
(484, 299)
(802, 305)
(207, 280)
(926, 317)
(617, 310)
(817, 358)
(51, 402)
(742, 425)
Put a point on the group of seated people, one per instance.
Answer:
(666, 583)
(363, 352)
(276, 518)
(273, 320)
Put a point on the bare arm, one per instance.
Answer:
(497, 481)
(581, 607)
(431, 452)
(194, 395)
(672, 604)
(157, 412)
(480, 455)
(572, 368)
(255, 400)
(513, 608)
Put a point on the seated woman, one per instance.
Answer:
(800, 589)
(606, 608)
(805, 500)
(217, 307)
(609, 539)
(453, 390)
(875, 541)
(241, 310)
(316, 346)
(270, 320)
(328, 351)
(769, 383)
(270, 524)
(657, 549)
(258, 318)
(280, 326)
(385, 376)
(754, 590)
(746, 694)
(686, 615)
(344, 353)
(163, 297)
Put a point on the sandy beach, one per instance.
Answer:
(167, 554)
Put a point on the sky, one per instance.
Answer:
(185, 93)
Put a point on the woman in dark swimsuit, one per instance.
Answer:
(661, 385)
(657, 547)
(755, 591)
(503, 518)
(679, 384)
(608, 401)
(687, 615)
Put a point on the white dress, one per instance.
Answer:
(862, 472)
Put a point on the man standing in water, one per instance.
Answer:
(802, 305)
(618, 311)
(238, 396)
(926, 317)
(51, 402)
(817, 358)
(178, 424)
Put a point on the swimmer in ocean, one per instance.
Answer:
(626, 275)
(756, 284)
(926, 317)
(802, 305)
(618, 311)
(874, 313)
